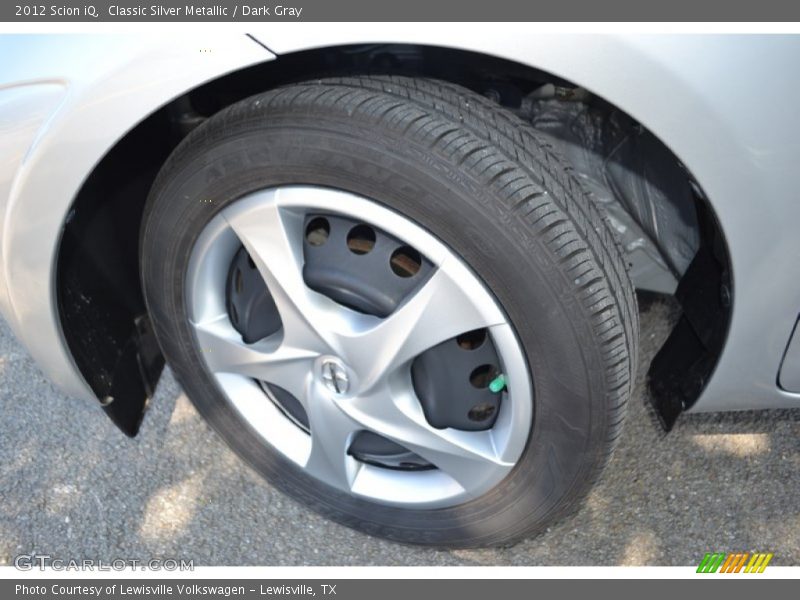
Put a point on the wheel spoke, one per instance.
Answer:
(332, 432)
(448, 304)
(267, 360)
(469, 457)
(273, 238)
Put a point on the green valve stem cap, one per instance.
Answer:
(498, 384)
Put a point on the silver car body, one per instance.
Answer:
(725, 105)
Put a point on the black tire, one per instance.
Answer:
(486, 184)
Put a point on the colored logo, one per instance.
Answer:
(743, 562)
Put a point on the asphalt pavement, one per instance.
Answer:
(72, 486)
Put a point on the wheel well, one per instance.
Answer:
(100, 301)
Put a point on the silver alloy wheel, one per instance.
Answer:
(351, 371)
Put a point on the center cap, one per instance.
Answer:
(335, 376)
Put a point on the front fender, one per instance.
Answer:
(106, 85)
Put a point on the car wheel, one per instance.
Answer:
(396, 303)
